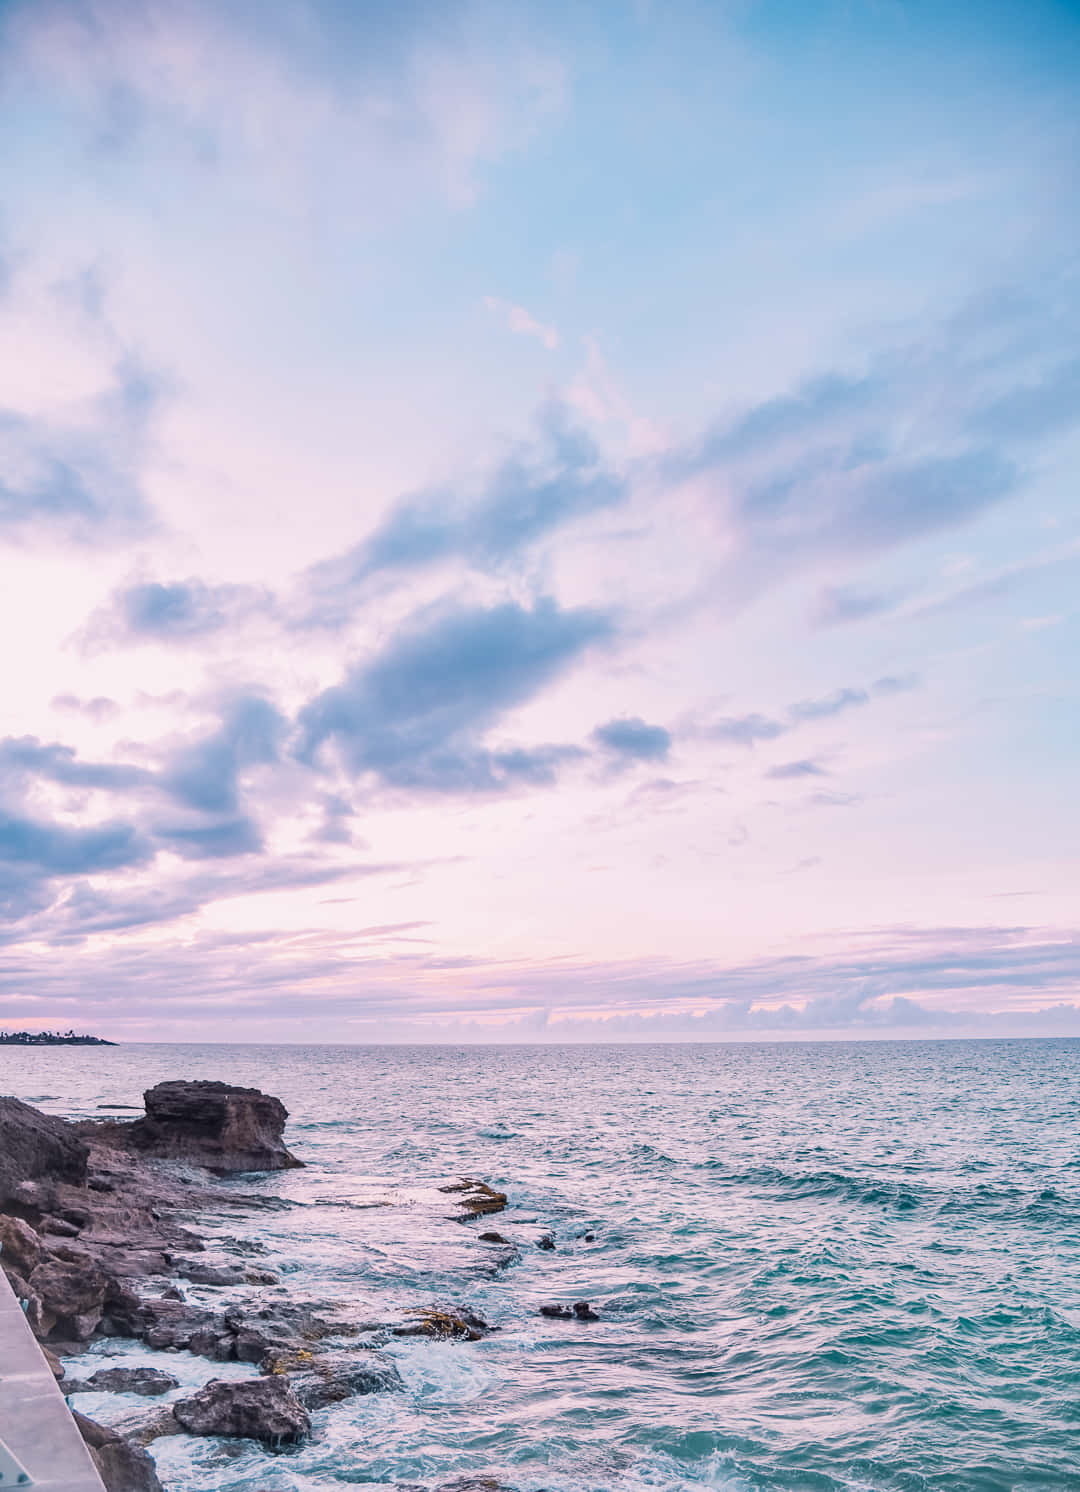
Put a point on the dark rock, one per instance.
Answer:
(20, 1247)
(476, 1198)
(329, 1380)
(263, 1331)
(56, 1367)
(145, 1381)
(172, 1293)
(460, 1325)
(493, 1238)
(264, 1409)
(212, 1274)
(35, 1150)
(123, 1467)
(72, 1297)
(214, 1125)
(261, 1277)
(556, 1312)
(547, 1243)
(584, 1311)
(590, 1237)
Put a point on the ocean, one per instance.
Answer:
(817, 1266)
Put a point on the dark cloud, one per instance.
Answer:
(830, 704)
(27, 756)
(52, 849)
(415, 714)
(235, 836)
(539, 488)
(206, 774)
(804, 768)
(178, 612)
(633, 738)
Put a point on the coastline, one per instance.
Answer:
(99, 1240)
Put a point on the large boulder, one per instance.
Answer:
(123, 1467)
(69, 1296)
(264, 1409)
(36, 1152)
(214, 1125)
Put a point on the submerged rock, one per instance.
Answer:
(214, 1125)
(460, 1325)
(265, 1409)
(319, 1381)
(546, 1243)
(476, 1198)
(123, 1467)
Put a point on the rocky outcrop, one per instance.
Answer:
(36, 1152)
(213, 1125)
(123, 1467)
(264, 1409)
(580, 1311)
(147, 1382)
(475, 1198)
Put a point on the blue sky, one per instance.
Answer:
(539, 522)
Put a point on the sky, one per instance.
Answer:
(539, 522)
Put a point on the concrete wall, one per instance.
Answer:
(35, 1423)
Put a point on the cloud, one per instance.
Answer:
(57, 849)
(830, 704)
(804, 768)
(520, 321)
(413, 716)
(205, 775)
(557, 479)
(235, 836)
(97, 709)
(27, 756)
(745, 730)
(633, 738)
(836, 605)
(178, 612)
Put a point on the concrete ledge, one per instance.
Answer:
(35, 1422)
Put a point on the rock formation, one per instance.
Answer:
(213, 1125)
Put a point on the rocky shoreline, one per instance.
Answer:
(96, 1240)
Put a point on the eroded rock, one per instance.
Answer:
(265, 1409)
(123, 1467)
(36, 1152)
(214, 1125)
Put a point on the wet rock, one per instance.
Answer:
(589, 1237)
(172, 1293)
(261, 1277)
(584, 1311)
(264, 1331)
(148, 1382)
(493, 1238)
(212, 1274)
(336, 1377)
(123, 1467)
(459, 1325)
(546, 1243)
(56, 1367)
(36, 1152)
(476, 1198)
(263, 1409)
(20, 1247)
(556, 1312)
(214, 1125)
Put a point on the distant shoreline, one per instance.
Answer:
(50, 1038)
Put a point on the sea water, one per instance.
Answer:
(819, 1266)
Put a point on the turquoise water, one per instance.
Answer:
(818, 1266)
